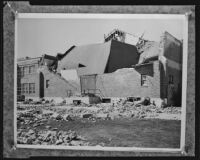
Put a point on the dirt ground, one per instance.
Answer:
(123, 125)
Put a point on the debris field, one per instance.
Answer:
(34, 119)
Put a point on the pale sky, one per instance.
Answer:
(36, 37)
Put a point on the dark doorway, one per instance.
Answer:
(41, 91)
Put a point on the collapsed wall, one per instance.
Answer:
(127, 82)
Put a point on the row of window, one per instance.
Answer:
(26, 70)
(26, 88)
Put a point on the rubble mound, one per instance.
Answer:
(50, 137)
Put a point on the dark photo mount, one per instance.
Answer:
(82, 65)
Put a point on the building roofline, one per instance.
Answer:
(142, 64)
(25, 59)
(48, 56)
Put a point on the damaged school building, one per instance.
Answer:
(113, 69)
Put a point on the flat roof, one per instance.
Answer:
(143, 64)
(27, 58)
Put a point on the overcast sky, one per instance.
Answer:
(51, 36)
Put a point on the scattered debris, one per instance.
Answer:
(50, 138)
(30, 117)
(67, 117)
(87, 115)
(76, 102)
(102, 116)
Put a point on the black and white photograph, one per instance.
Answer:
(100, 81)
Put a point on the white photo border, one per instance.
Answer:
(109, 16)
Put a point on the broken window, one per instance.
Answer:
(143, 80)
(31, 87)
(47, 83)
(171, 79)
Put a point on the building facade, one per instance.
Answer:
(37, 79)
(28, 77)
(111, 69)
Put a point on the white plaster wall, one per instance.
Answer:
(70, 74)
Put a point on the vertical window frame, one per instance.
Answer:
(144, 80)
(19, 87)
(31, 88)
(47, 83)
(26, 88)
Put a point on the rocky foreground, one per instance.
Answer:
(33, 127)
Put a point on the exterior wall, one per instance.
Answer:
(163, 82)
(58, 86)
(69, 100)
(127, 82)
(122, 55)
(30, 77)
(171, 91)
(175, 89)
(172, 50)
(70, 74)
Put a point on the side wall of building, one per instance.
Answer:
(32, 78)
(28, 78)
(172, 50)
(174, 89)
(57, 86)
(127, 82)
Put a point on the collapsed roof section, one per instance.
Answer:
(113, 54)
(148, 50)
(100, 58)
(116, 34)
(168, 49)
(93, 56)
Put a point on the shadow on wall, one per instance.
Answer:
(145, 70)
(176, 98)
